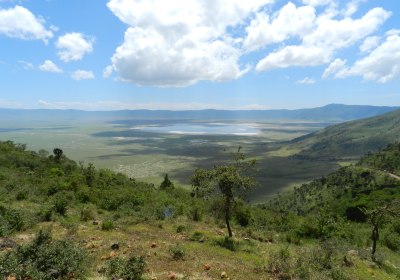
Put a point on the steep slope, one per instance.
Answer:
(370, 182)
(351, 139)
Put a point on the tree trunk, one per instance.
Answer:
(227, 216)
(375, 237)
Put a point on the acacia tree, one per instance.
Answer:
(58, 153)
(229, 180)
(166, 184)
(378, 216)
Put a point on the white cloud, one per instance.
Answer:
(290, 21)
(294, 56)
(26, 65)
(107, 72)
(317, 2)
(49, 66)
(181, 42)
(306, 81)
(321, 44)
(352, 7)
(381, 65)
(369, 44)
(73, 46)
(20, 23)
(336, 66)
(82, 75)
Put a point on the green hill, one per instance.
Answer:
(349, 140)
(63, 220)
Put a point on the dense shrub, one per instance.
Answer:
(131, 268)
(107, 225)
(45, 259)
(10, 221)
(392, 241)
(60, 205)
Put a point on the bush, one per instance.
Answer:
(227, 243)
(60, 205)
(280, 264)
(127, 269)
(243, 216)
(180, 229)
(10, 221)
(87, 214)
(21, 195)
(392, 241)
(107, 225)
(197, 236)
(45, 259)
(177, 252)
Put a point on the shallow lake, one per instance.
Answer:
(202, 129)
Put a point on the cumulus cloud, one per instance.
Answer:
(306, 81)
(290, 21)
(380, 65)
(20, 23)
(73, 46)
(82, 75)
(294, 56)
(181, 42)
(329, 35)
(333, 68)
(369, 44)
(49, 66)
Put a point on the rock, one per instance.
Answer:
(54, 273)
(207, 266)
(115, 246)
(224, 275)
(7, 243)
(90, 246)
(171, 275)
(113, 254)
(103, 258)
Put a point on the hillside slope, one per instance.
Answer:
(351, 139)
(62, 220)
(374, 180)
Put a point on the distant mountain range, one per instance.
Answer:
(350, 139)
(328, 113)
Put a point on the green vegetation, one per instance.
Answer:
(105, 224)
(349, 140)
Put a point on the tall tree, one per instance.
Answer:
(229, 180)
(378, 216)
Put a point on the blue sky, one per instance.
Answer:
(195, 54)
